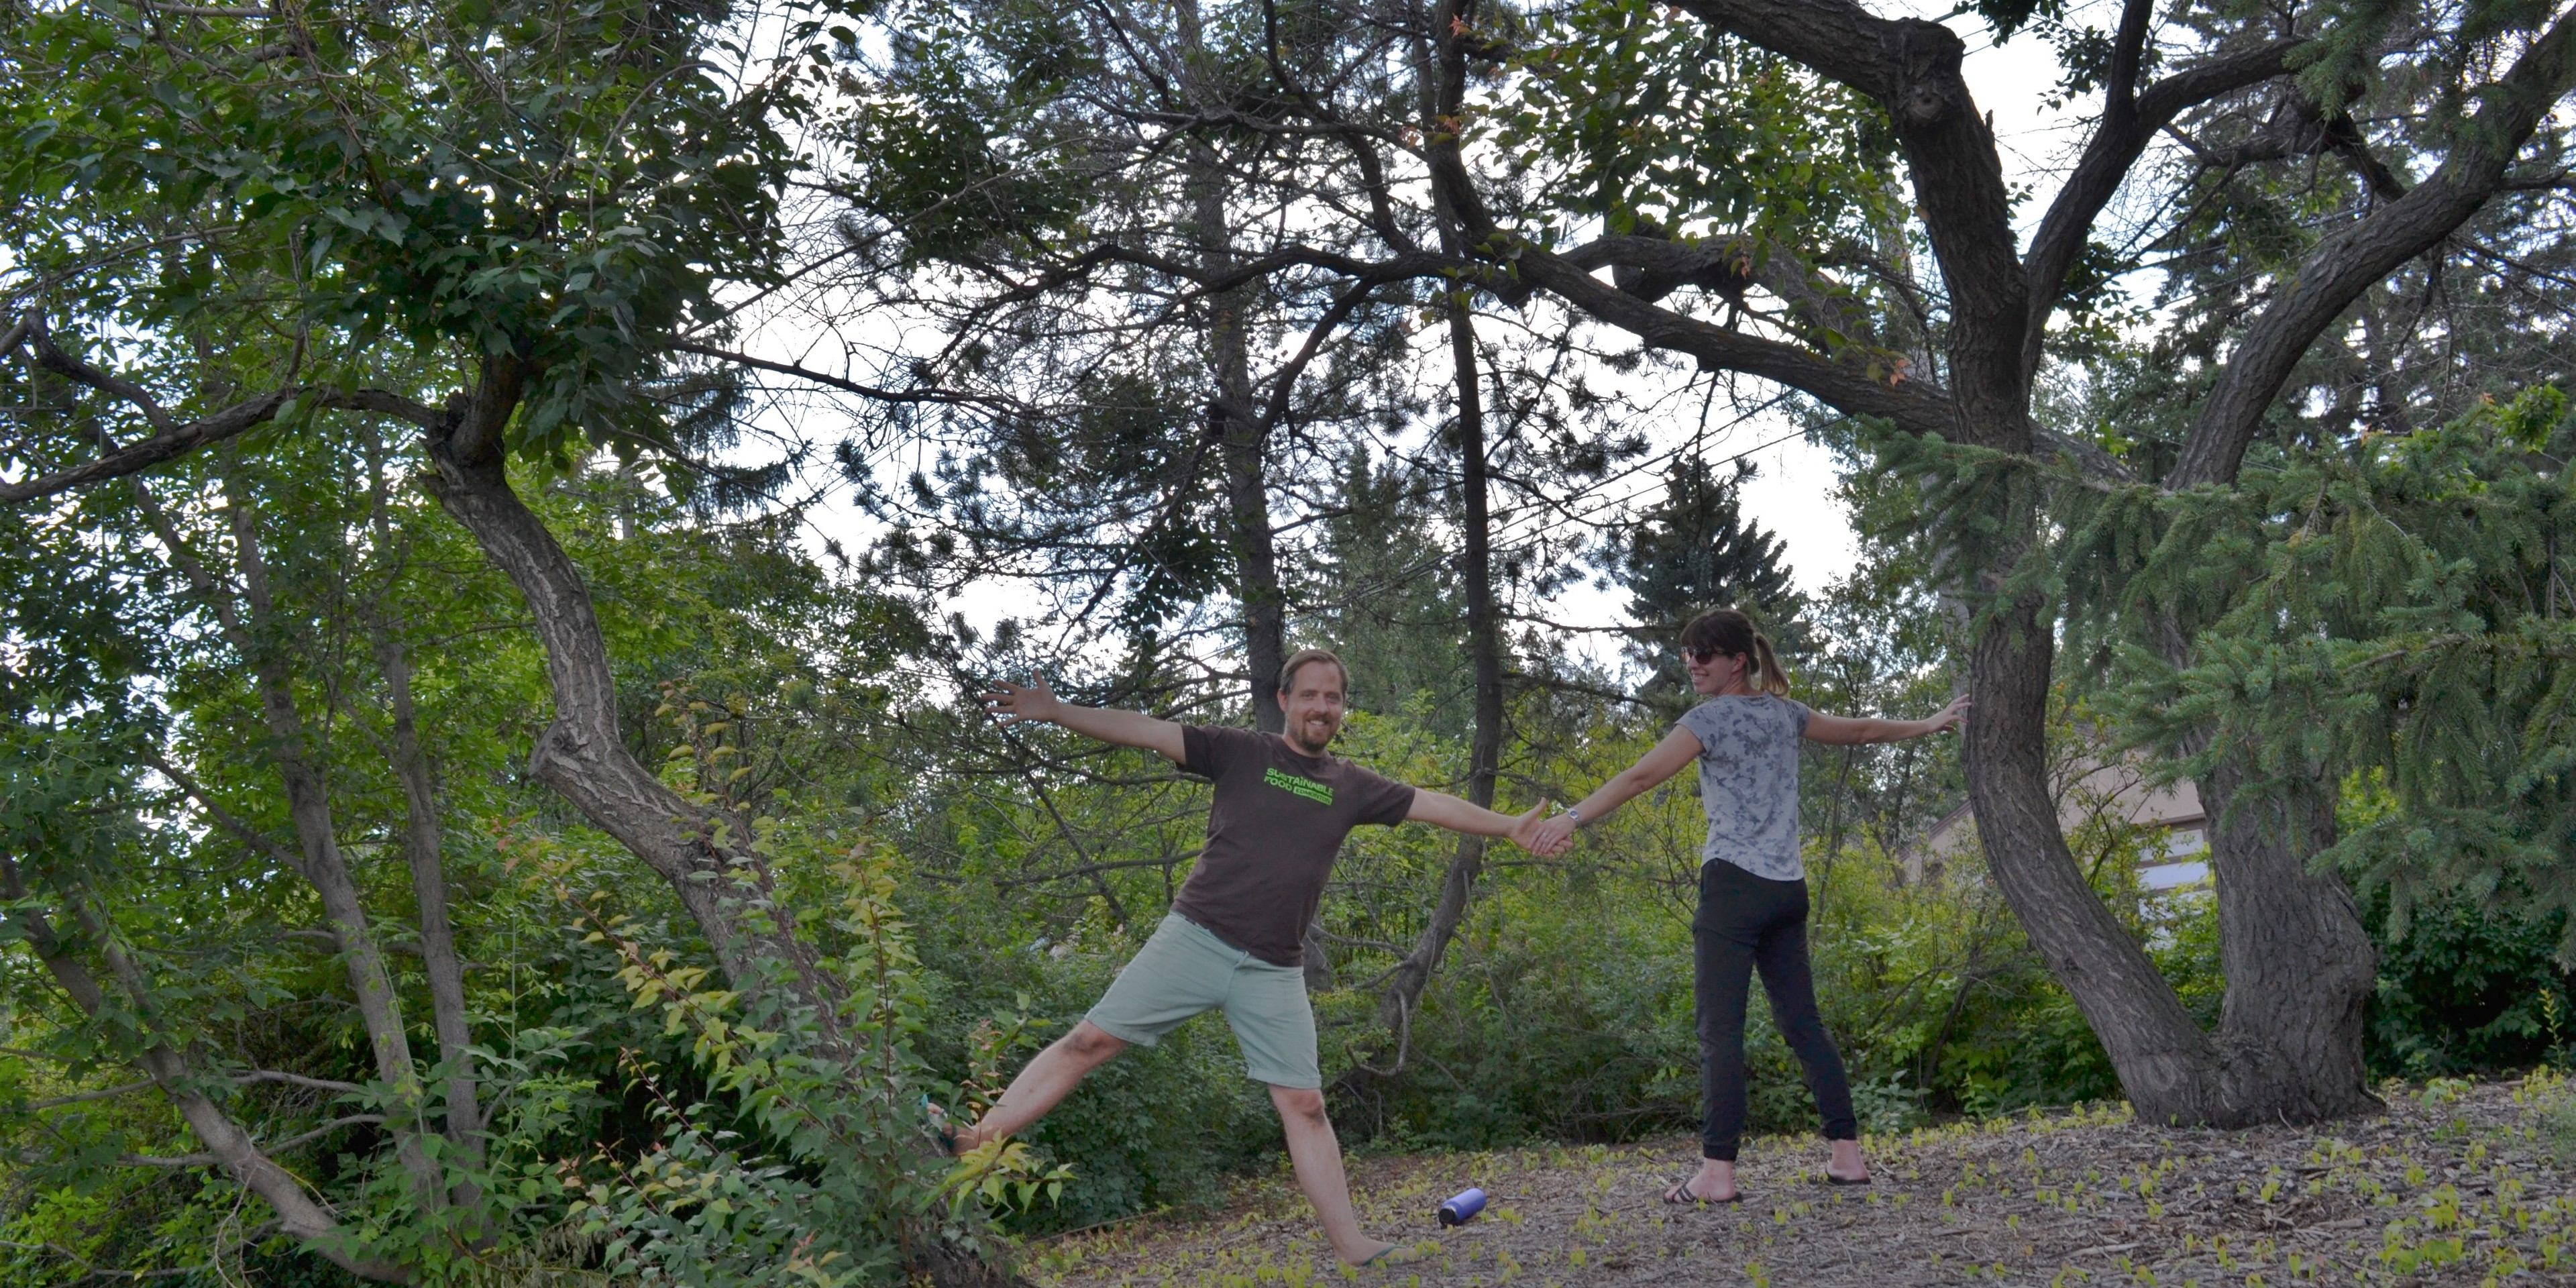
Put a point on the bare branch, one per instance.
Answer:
(171, 438)
(85, 1097)
(842, 383)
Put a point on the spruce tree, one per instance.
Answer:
(1693, 551)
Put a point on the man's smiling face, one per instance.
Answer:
(1313, 701)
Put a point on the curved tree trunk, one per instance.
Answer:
(2167, 1065)
(726, 888)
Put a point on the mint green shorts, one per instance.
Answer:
(1183, 971)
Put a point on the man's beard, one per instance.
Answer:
(1297, 739)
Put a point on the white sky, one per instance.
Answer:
(1793, 491)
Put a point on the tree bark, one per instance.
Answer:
(2299, 966)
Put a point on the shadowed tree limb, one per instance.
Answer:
(2364, 253)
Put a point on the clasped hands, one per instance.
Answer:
(1544, 837)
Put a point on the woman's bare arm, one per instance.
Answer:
(1847, 731)
(1679, 748)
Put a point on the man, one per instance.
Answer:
(1236, 935)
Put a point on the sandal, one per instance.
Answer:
(1681, 1194)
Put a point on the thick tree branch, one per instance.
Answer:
(2337, 272)
(1846, 387)
(1911, 68)
(171, 438)
(2126, 129)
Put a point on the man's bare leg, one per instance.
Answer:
(1042, 1082)
(1317, 1154)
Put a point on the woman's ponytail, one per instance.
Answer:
(1729, 633)
(1770, 678)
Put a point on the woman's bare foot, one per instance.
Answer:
(1847, 1166)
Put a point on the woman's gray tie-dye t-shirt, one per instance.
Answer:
(1748, 781)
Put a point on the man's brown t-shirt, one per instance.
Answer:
(1276, 826)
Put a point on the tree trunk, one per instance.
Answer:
(2166, 1064)
(308, 801)
(422, 846)
(1485, 645)
(725, 888)
(423, 853)
(1234, 422)
(2299, 964)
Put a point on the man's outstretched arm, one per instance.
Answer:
(1443, 810)
(1016, 704)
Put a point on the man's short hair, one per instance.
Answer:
(1288, 671)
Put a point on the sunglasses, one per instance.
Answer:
(1703, 656)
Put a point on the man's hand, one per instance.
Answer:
(1548, 837)
(1016, 704)
(1527, 827)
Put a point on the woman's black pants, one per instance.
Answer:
(1747, 921)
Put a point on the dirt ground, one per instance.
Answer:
(2456, 1184)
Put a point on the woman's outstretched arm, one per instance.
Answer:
(1678, 748)
(1850, 730)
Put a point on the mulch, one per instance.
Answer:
(2454, 1184)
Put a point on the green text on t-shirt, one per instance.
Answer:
(1292, 784)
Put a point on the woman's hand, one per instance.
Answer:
(1949, 717)
(1547, 837)
(1014, 703)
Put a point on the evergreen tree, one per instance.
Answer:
(1387, 599)
(1694, 551)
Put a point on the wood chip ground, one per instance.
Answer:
(2455, 1184)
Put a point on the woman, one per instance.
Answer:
(1752, 885)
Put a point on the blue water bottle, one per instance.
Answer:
(1462, 1207)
